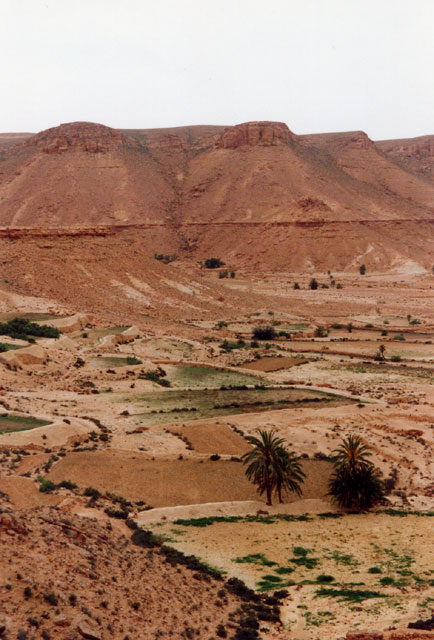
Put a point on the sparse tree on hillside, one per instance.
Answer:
(380, 353)
(264, 332)
(313, 284)
(271, 466)
(362, 269)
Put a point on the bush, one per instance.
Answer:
(46, 486)
(121, 514)
(296, 285)
(91, 492)
(362, 269)
(21, 328)
(214, 263)
(313, 284)
(321, 332)
(67, 484)
(51, 598)
(165, 258)
(131, 360)
(264, 333)
(223, 274)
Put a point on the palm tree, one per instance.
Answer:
(271, 466)
(351, 453)
(356, 484)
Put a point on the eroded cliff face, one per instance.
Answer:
(79, 136)
(265, 134)
(414, 154)
(293, 195)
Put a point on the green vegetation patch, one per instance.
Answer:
(191, 376)
(349, 595)
(193, 404)
(255, 558)
(22, 329)
(6, 346)
(10, 423)
(301, 558)
(110, 362)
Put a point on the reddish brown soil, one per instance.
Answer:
(166, 483)
(254, 194)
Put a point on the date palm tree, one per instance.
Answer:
(271, 466)
(352, 453)
(356, 484)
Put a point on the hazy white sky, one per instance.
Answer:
(318, 65)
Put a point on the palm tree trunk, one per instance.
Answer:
(269, 503)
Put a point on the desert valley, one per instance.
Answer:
(202, 283)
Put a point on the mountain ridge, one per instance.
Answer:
(294, 199)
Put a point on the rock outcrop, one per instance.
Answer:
(78, 136)
(265, 134)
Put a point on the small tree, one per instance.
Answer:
(264, 332)
(356, 484)
(313, 284)
(362, 269)
(380, 353)
(350, 327)
(271, 466)
(296, 285)
(320, 332)
(213, 263)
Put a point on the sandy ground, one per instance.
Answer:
(163, 483)
(344, 548)
(93, 425)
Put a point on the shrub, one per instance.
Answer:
(46, 486)
(213, 263)
(362, 269)
(396, 358)
(296, 285)
(133, 360)
(321, 332)
(399, 336)
(165, 258)
(223, 274)
(91, 492)
(264, 333)
(313, 284)
(67, 484)
(51, 598)
(21, 328)
(145, 538)
(374, 570)
(121, 514)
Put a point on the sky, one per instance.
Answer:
(318, 65)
